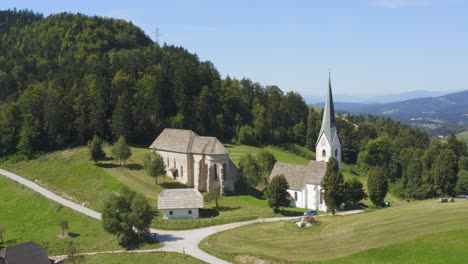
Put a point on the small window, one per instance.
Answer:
(321, 196)
(175, 164)
(215, 172)
(181, 171)
(170, 212)
(189, 211)
(336, 152)
(223, 172)
(168, 162)
(295, 196)
(324, 153)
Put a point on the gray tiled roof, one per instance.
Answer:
(298, 175)
(180, 199)
(187, 141)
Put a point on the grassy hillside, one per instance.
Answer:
(140, 258)
(71, 174)
(237, 151)
(337, 236)
(27, 216)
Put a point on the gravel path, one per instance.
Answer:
(185, 241)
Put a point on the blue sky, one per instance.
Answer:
(373, 47)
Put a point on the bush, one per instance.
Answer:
(246, 135)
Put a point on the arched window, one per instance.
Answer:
(223, 172)
(324, 153)
(336, 152)
(295, 196)
(181, 171)
(175, 164)
(215, 172)
(168, 162)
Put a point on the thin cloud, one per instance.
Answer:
(413, 3)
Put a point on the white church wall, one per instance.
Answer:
(297, 198)
(179, 161)
(323, 145)
(312, 196)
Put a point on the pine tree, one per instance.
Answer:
(333, 184)
(121, 150)
(377, 185)
(95, 150)
(311, 135)
(277, 192)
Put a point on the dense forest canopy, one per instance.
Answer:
(67, 77)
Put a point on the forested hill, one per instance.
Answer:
(67, 77)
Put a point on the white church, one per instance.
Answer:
(305, 181)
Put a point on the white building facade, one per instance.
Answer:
(180, 203)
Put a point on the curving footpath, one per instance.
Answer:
(184, 241)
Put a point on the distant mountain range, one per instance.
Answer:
(428, 112)
(381, 99)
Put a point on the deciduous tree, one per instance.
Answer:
(121, 151)
(154, 165)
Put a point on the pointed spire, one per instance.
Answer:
(328, 119)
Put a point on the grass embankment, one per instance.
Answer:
(378, 236)
(71, 174)
(28, 216)
(237, 151)
(140, 258)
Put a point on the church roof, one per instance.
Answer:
(26, 253)
(328, 120)
(180, 199)
(187, 141)
(299, 175)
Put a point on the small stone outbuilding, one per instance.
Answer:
(180, 203)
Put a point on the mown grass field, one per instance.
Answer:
(27, 216)
(71, 174)
(372, 237)
(140, 258)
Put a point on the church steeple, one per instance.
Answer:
(328, 120)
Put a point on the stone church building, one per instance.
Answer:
(305, 181)
(199, 162)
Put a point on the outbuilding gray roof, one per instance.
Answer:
(180, 199)
(187, 141)
(298, 175)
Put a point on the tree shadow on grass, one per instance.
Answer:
(134, 166)
(107, 165)
(228, 209)
(208, 212)
(290, 213)
(73, 235)
(256, 193)
(172, 185)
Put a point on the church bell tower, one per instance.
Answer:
(328, 144)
